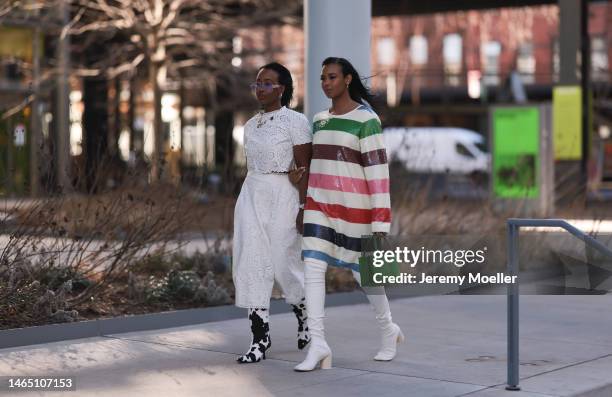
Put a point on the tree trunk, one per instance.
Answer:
(157, 162)
(131, 113)
(224, 140)
(182, 104)
(224, 126)
(35, 121)
(95, 127)
(114, 129)
(63, 111)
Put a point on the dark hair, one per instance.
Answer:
(358, 92)
(284, 78)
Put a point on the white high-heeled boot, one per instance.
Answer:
(391, 334)
(319, 352)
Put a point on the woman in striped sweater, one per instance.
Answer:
(348, 197)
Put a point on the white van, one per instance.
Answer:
(438, 150)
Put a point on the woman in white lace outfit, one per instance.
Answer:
(269, 211)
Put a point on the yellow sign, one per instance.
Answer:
(567, 122)
(16, 42)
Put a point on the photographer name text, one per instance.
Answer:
(424, 278)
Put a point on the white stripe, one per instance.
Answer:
(383, 227)
(336, 137)
(372, 142)
(364, 115)
(380, 171)
(353, 200)
(360, 115)
(339, 168)
(350, 170)
(381, 201)
(340, 226)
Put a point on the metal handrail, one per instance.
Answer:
(513, 288)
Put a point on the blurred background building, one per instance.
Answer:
(442, 64)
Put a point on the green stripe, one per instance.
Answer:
(359, 129)
(370, 127)
(335, 124)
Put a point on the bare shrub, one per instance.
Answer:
(63, 251)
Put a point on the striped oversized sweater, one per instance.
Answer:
(348, 188)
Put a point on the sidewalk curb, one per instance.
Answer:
(19, 337)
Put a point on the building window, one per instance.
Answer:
(599, 59)
(490, 54)
(385, 50)
(237, 49)
(525, 63)
(386, 57)
(452, 51)
(418, 50)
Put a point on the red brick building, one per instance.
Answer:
(430, 52)
(439, 49)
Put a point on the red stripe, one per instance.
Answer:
(348, 185)
(381, 215)
(351, 215)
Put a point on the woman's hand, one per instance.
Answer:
(299, 221)
(296, 175)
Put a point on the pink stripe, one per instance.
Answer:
(379, 185)
(348, 185)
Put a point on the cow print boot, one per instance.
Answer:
(261, 342)
(303, 335)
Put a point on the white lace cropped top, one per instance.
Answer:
(269, 139)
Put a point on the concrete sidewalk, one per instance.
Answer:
(456, 346)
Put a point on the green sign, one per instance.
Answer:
(567, 122)
(516, 137)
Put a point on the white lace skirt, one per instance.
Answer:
(266, 245)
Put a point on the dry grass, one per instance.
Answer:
(112, 214)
